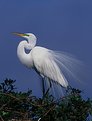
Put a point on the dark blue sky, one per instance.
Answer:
(64, 25)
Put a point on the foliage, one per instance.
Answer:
(24, 106)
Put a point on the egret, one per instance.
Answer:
(50, 65)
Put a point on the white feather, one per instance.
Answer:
(54, 65)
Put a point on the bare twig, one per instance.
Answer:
(12, 96)
(1, 118)
(49, 110)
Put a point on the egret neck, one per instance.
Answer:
(24, 57)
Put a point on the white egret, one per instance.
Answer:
(50, 64)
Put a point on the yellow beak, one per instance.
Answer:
(18, 34)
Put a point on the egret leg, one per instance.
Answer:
(50, 85)
(43, 86)
(48, 88)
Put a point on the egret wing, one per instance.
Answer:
(46, 65)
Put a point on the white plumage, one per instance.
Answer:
(48, 63)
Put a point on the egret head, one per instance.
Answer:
(26, 35)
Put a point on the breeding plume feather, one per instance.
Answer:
(50, 65)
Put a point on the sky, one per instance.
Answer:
(64, 25)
